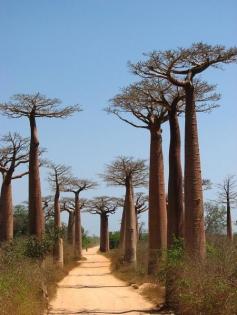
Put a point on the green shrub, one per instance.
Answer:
(205, 287)
(114, 240)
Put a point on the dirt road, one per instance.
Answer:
(90, 288)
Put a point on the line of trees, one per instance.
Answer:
(170, 87)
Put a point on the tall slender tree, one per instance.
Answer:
(59, 177)
(76, 186)
(103, 206)
(35, 106)
(13, 154)
(125, 171)
(180, 67)
(135, 100)
(228, 196)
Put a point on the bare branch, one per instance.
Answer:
(118, 172)
(36, 105)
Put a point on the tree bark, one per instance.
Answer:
(122, 230)
(70, 227)
(194, 213)
(58, 246)
(36, 216)
(78, 234)
(104, 233)
(130, 219)
(157, 217)
(6, 231)
(137, 224)
(229, 221)
(175, 214)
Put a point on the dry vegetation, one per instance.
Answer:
(25, 283)
(208, 287)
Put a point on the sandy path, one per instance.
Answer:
(91, 289)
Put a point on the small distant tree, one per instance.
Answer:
(76, 186)
(228, 196)
(68, 205)
(215, 218)
(58, 178)
(103, 206)
(33, 106)
(21, 220)
(13, 154)
(125, 171)
(141, 206)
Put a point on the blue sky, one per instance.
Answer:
(78, 51)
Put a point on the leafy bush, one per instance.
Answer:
(204, 287)
(114, 240)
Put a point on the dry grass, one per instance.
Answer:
(208, 287)
(195, 288)
(24, 283)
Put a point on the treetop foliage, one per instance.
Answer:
(36, 105)
(124, 168)
(103, 205)
(76, 185)
(182, 64)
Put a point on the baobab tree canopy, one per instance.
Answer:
(37, 105)
(103, 205)
(77, 185)
(182, 64)
(155, 97)
(123, 167)
(14, 151)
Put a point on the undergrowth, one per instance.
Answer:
(27, 282)
(193, 287)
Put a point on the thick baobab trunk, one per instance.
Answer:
(175, 211)
(6, 231)
(194, 213)
(122, 230)
(70, 227)
(157, 203)
(58, 246)
(229, 222)
(130, 225)
(78, 234)
(104, 233)
(36, 216)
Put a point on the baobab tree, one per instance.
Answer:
(228, 196)
(35, 106)
(13, 154)
(135, 100)
(59, 177)
(76, 186)
(48, 207)
(68, 205)
(103, 206)
(125, 171)
(180, 67)
(161, 99)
